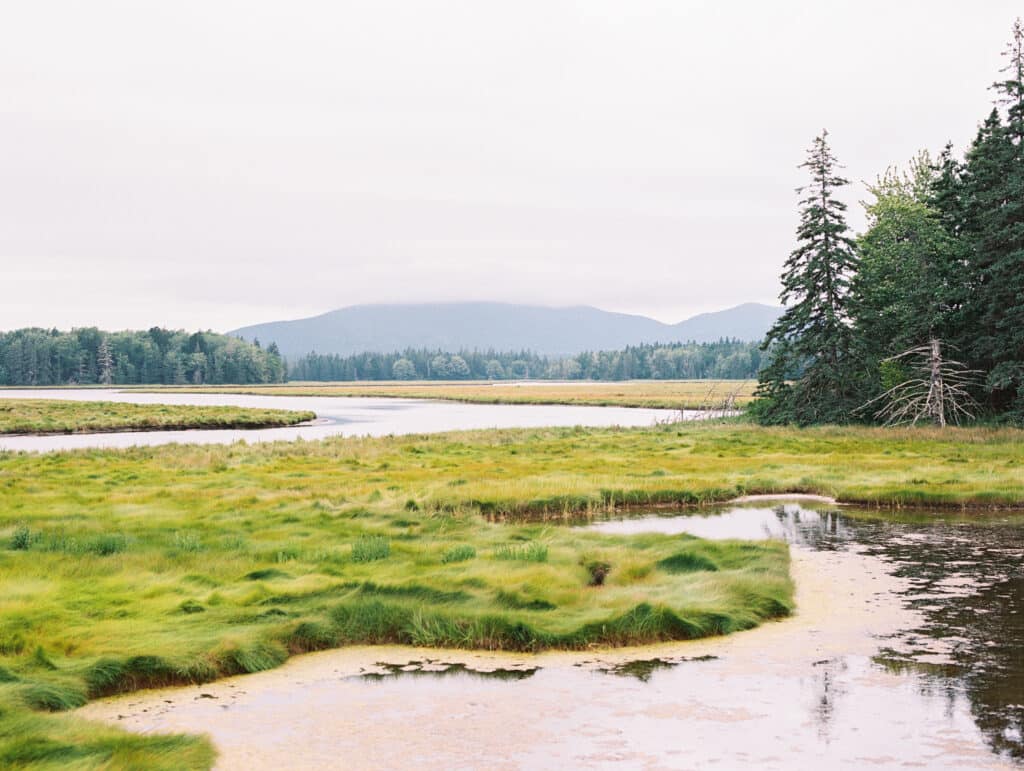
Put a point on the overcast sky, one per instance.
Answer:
(215, 164)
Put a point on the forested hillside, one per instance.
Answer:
(39, 357)
(478, 326)
(683, 361)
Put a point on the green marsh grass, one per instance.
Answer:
(150, 566)
(51, 416)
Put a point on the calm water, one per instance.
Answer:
(336, 416)
(907, 652)
(963, 659)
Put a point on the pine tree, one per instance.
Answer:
(811, 342)
(993, 205)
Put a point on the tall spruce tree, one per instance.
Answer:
(993, 201)
(812, 376)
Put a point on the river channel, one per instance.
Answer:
(336, 416)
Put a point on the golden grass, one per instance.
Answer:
(667, 394)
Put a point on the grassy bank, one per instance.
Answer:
(673, 395)
(128, 569)
(150, 566)
(50, 416)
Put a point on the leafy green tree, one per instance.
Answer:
(811, 374)
(494, 370)
(403, 369)
(903, 292)
(105, 362)
(457, 367)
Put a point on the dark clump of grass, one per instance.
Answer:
(11, 643)
(7, 676)
(273, 613)
(112, 675)
(686, 562)
(515, 602)
(191, 606)
(106, 544)
(411, 505)
(411, 591)
(458, 553)
(265, 574)
(371, 621)
(55, 696)
(41, 661)
(311, 636)
(253, 657)
(23, 538)
(369, 548)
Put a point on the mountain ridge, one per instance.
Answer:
(551, 331)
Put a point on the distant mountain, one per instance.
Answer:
(501, 326)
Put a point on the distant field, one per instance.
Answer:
(46, 416)
(666, 394)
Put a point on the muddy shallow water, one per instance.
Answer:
(336, 416)
(907, 650)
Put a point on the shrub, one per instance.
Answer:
(598, 572)
(368, 548)
(459, 553)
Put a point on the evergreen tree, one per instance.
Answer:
(811, 342)
(1003, 270)
(993, 203)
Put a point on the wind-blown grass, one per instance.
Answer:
(52, 416)
(125, 569)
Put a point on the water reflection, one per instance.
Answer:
(965, 578)
(438, 669)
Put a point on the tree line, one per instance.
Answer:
(922, 316)
(41, 357)
(683, 361)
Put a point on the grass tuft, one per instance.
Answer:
(370, 548)
(458, 553)
(531, 552)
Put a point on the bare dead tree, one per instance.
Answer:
(938, 389)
